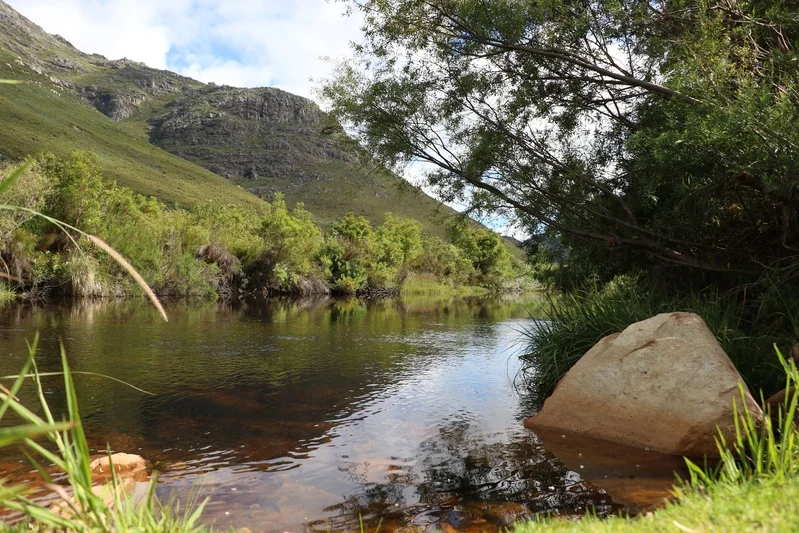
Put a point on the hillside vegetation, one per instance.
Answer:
(214, 248)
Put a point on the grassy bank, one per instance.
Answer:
(762, 505)
(754, 488)
(429, 285)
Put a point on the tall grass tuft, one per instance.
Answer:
(83, 506)
(763, 450)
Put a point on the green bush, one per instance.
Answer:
(340, 265)
(490, 259)
(290, 241)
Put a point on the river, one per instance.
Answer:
(312, 415)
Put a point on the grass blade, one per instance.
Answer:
(131, 271)
(20, 433)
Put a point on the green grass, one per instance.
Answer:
(6, 295)
(763, 506)
(427, 285)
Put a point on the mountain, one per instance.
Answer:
(184, 141)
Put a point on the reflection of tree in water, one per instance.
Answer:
(462, 479)
(374, 503)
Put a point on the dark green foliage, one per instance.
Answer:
(356, 257)
(630, 135)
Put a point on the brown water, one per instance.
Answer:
(306, 415)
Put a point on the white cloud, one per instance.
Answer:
(245, 43)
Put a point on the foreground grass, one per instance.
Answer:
(82, 505)
(764, 505)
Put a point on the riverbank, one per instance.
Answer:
(215, 249)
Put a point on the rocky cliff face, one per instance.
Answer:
(246, 133)
(128, 84)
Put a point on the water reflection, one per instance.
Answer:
(314, 413)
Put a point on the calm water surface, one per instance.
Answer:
(305, 415)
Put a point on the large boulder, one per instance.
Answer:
(663, 384)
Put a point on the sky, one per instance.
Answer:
(288, 44)
(244, 43)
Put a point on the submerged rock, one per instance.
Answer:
(634, 478)
(663, 384)
(126, 465)
(132, 481)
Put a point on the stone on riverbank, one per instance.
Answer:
(664, 384)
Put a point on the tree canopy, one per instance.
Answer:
(627, 133)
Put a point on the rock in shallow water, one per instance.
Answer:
(126, 465)
(664, 384)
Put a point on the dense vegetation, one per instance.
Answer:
(650, 140)
(212, 248)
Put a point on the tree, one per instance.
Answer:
(490, 260)
(634, 133)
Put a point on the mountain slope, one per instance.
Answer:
(46, 114)
(183, 141)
